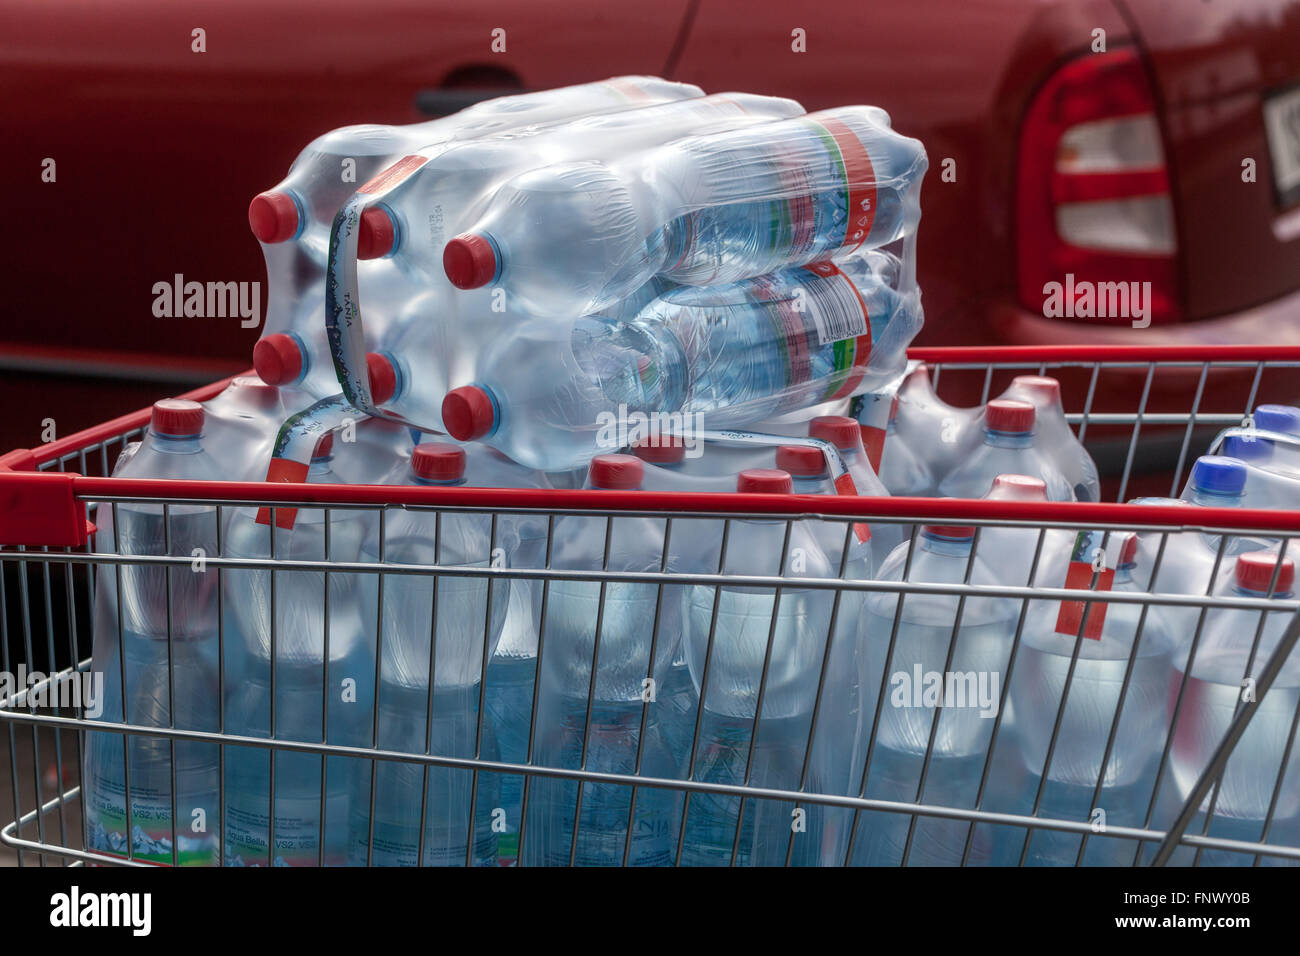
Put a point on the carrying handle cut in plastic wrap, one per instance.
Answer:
(294, 444)
(343, 322)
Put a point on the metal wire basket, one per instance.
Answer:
(1144, 414)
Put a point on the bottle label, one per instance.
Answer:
(818, 311)
(297, 829)
(839, 315)
(150, 825)
(859, 177)
(789, 314)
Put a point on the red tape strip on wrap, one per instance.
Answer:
(873, 443)
(282, 471)
(844, 485)
(1072, 613)
(861, 181)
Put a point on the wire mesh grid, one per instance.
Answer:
(49, 597)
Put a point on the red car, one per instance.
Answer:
(1100, 170)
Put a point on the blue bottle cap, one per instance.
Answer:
(1278, 418)
(1219, 475)
(1247, 447)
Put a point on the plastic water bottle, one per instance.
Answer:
(300, 208)
(1272, 478)
(846, 435)
(299, 667)
(838, 723)
(508, 694)
(1280, 425)
(1218, 481)
(610, 720)
(701, 210)
(460, 177)
(1188, 560)
(442, 720)
(841, 541)
(968, 686)
(292, 221)
(727, 648)
(240, 425)
(693, 548)
(735, 354)
(904, 474)
(410, 308)
(371, 451)
(161, 623)
(509, 703)
(1084, 691)
(1235, 645)
(939, 435)
(1009, 448)
(1055, 437)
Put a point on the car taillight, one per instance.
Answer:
(1093, 190)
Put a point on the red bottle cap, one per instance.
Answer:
(1255, 572)
(176, 418)
(956, 532)
(616, 472)
(438, 461)
(839, 430)
(802, 461)
(1044, 386)
(377, 233)
(273, 217)
(662, 450)
(1009, 415)
(383, 377)
(764, 481)
(278, 359)
(470, 261)
(324, 447)
(1018, 488)
(468, 413)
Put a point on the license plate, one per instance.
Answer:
(1282, 125)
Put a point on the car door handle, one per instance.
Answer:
(443, 102)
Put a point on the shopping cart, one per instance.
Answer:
(1145, 414)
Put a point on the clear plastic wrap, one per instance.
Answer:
(274, 639)
(435, 334)
(292, 220)
(905, 657)
(576, 238)
(1272, 464)
(240, 425)
(553, 394)
(1009, 446)
(934, 440)
(938, 435)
